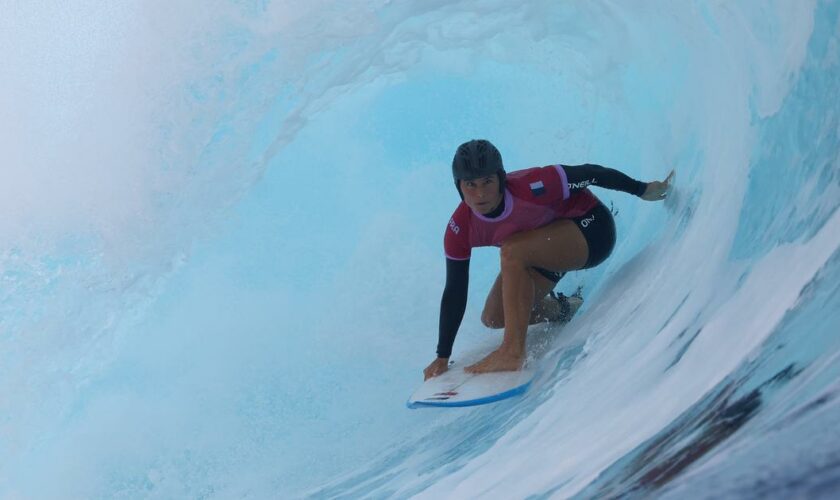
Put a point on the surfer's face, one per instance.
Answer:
(482, 194)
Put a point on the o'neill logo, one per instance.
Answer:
(581, 184)
(589, 220)
(454, 227)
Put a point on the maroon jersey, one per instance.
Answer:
(534, 197)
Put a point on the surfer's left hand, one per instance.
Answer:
(658, 190)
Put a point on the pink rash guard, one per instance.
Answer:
(534, 197)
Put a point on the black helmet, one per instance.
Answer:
(475, 159)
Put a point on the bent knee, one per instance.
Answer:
(492, 320)
(511, 252)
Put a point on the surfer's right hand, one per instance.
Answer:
(436, 367)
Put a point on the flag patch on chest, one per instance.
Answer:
(538, 188)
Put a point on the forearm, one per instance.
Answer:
(452, 305)
(582, 176)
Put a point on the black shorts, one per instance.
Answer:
(598, 227)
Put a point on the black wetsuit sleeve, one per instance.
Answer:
(452, 304)
(583, 176)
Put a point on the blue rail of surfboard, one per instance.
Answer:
(472, 402)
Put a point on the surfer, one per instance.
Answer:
(546, 222)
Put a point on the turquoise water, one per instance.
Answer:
(221, 257)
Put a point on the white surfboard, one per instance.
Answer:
(456, 388)
(459, 388)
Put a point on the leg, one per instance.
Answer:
(493, 315)
(557, 246)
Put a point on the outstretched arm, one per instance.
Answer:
(583, 176)
(452, 307)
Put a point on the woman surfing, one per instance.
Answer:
(546, 222)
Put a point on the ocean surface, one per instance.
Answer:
(221, 253)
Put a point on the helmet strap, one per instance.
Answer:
(458, 187)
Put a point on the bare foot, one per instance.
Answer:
(496, 361)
